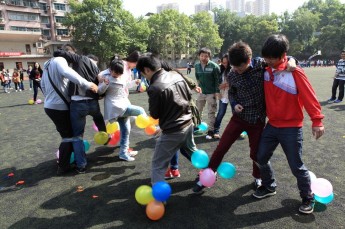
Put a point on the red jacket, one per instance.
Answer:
(286, 93)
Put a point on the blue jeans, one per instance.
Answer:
(125, 126)
(220, 114)
(174, 159)
(36, 86)
(78, 112)
(291, 140)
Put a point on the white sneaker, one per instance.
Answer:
(126, 157)
(208, 137)
(16, 90)
(133, 153)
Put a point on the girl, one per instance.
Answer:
(35, 76)
(16, 80)
(114, 85)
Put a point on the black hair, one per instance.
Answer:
(93, 57)
(239, 53)
(205, 50)
(116, 66)
(69, 48)
(167, 67)
(275, 46)
(133, 57)
(223, 68)
(151, 62)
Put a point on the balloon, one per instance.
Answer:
(71, 160)
(142, 87)
(200, 159)
(38, 101)
(86, 145)
(142, 121)
(244, 134)
(112, 127)
(150, 130)
(101, 137)
(94, 127)
(161, 191)
(115, 138)
(312, 176)
(153, 121)
(143, 194)
(203, 126)
(207, 177)
(324, 200)
(226, 170)
(321, 187)
(31, 101)
(155, 210)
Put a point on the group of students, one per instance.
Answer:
(271, 88)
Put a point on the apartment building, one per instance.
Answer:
(30, 31)
(168, 6)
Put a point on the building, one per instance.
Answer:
(168, 6)
(243, 8)
(30, 30)
(235, 5)
(262, 7)
(205, 7)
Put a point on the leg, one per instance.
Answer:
(30, 82)
(35, 91)
(334, 89)
(220, 114)
(125, 127)
(200, 103)
(174, 161)
(188, 144)
(211, 110)
(133, 110)
(341, 90)
(97, 116)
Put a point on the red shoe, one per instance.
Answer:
(175, 173)
(168, 174)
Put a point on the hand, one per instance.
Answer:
(198, 89)
(318, 131)
(94, 88)
(223, 86)
(239, 108)
(106, 81)
(137, 81)
(291, 65)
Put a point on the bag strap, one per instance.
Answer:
(57, 90)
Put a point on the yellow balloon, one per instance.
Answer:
(142, 121)
(143, 194)
(112, 127)
(31, 101)
(101, 138)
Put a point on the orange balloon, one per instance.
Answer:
(155, 210)
(150, 130)
(153, 121)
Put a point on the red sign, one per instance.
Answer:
(11, 53)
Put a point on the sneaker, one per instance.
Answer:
(132, 153)
(198, 188)
(209, 135)
(262, 192)
(330, 100)
(337, 101)
(80, 170)
(126, 157)
(175, 173)
(257, 183)
(216, 136)
(307, 206)
(168, 174)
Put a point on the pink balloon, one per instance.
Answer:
(321, 187)
(94, 127)
(207, 177)
(39, 101)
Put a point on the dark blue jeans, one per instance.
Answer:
(221, 112)
(291, 140)
(78, 112)
(174, 159)
(36, 86)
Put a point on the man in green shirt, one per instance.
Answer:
(207, 74)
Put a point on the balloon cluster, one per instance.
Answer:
(114, 130)
(147, 123)
(71, 160)
(142, 87)
(207, 176)
(153, 198)
(322, 189)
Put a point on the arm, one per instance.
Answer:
(102, 87)
(70, 57)
(154, 101)
(216, 75)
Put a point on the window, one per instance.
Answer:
(62, 32)
(59, 19)
(2, 27)
(46, 32)
(17, 28)
(28, 49)
(58, 6)
(15, 2)
(44, 20)
(43, 6)
(16, 16)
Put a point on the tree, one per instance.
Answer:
(103, 28)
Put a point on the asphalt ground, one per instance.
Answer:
(29, 143)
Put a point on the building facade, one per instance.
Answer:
(168, 6)
(30, 31)
(243, 8)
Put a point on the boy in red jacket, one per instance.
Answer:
(286, 93)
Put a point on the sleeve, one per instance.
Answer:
(70, 57)
(216, 75)
(307, 95)
(102, 88)
(190, 82)
(32, 75)
(232, 96)
(154, 104)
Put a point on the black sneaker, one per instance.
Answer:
(198, 188)
(262, 192)
(257, 183)
(80, 170)
(307, 206)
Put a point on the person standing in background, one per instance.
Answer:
(29, 73)
(339, 81)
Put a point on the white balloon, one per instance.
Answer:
(312, 176)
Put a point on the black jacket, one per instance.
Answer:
(169, 101)
(85, 68)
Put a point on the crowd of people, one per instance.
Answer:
(267, 98)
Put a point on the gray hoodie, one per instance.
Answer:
(61, 74)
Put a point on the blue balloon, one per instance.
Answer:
(71, 160)
(324, 200)
(86, 145)
(244, 133)
(203, 126)
(226, 170)
(200, 159)
(161, 191)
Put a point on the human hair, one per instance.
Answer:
(275, 46)
(343, 51)
(151, 62)
(223, 68)
(239, 53)
(69, 48)
(205, 50)
(133, 57)
(116, 66)
(93, 57)
(167, 67)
